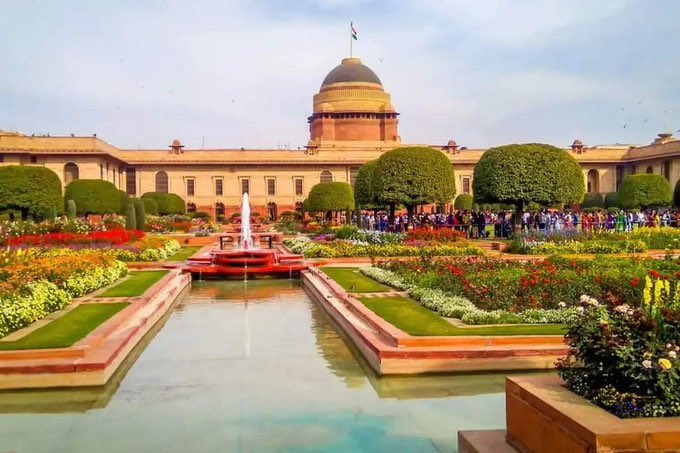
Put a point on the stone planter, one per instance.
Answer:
(545, 417)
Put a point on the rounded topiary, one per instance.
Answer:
(140, 214)
(150, 206)
(611, 200)
(364, 194)
(330, 196)
(676, 194)
(645, 191)
(130, 218)
(592, 200)
(31, 190)
(124, 200)
(201, 215)
(463, 202)
(168, 203)
(71, 212)
(94, 196)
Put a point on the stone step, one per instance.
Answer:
(484, 441)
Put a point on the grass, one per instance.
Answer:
(184, 253)
(354, 281)
(67, 329)
(414, 319)
(135, 285)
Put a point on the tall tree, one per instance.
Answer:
(328, 197)
(364, 195)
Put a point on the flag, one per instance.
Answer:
(354, 32)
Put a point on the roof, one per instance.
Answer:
(351, 70)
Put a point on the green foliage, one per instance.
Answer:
(71, 209)
(130, 218)
(201, 215)
(34, 191)
(533, 172)
(644, 191)
(463, 202)
(168, 203)
(592, 200)
(124, 200)
(611, 200)
(676, 194)
(140, 214)
(364, 194)
(413, 176)
(94, 196)
(150, 206)
(330, 196)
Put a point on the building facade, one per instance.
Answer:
(352, 121)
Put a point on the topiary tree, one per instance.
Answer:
(93, 196)
(364, 196)
(130, 218)
(533, 172)
(150, 206)
(592, 200)
(124, 200)
(611, 200)
(463, 202)
(168, 203)
(330, 196)
(71, 212)
(644, 191)
(676, 194)
(30, 190)
(412, 176)
(140, 214)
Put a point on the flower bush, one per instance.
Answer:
(442, 235)
(339, 249)
(60, 225)
(625, 358)
(112, 237)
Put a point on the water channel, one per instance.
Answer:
(250, 366)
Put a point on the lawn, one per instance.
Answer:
(184, 253)
(67, 329)
(135, 285)
(414, 319)
(354, 281)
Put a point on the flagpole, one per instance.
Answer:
(351, 38)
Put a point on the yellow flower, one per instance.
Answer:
(647, 293)
(665, 364)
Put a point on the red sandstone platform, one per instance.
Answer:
(245, 263)
(389, 350)
(92, 361)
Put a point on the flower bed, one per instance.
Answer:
(112, 237)
(14, 229)
(625, 358)
(342, 249)
(31, 288)
(146, 249)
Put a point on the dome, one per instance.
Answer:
(351, 70)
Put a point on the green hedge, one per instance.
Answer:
(34, 191)
(611, 200)
(592, 200)
(330, 196)
(463, 202)
(168, 203)
(644, 191)
(94, 196)
(150, 206)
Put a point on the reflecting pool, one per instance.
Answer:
(250, 366)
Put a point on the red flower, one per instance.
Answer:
(635, 282)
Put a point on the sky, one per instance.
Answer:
(242, 73)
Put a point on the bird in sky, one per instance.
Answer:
(625, 125)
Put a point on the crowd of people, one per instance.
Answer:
(474, 224)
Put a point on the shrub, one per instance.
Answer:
(31, 190)
(201, 215)
(150, 206)
(644, 191)
(130, 218)
(168, 203)
(290, 216)
(611, 200)
(592, 200)
(330, 196)
(71, 209)
(140, 214)
(463, 202)
(124, 200)
(94, 196)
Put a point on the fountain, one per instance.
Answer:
(247, 260)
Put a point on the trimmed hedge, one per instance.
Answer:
(94, 196)
(34, 191)
(463, 202)
(611, 200)
(592, 200)
(168, 203)
(150, 206)
(140, 214)
(124, 199)
(330, 196)
(644, 191)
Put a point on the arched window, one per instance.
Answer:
(162, 182)
(272, 211)
(219, 211)
(71, 172)
(650, 170)
(191, 207)
(300, 208)
(593, 181)
(326, 176)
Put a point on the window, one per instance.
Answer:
(162, 182)
(466, 185)
(191, 207)
(34, 159)
(298, 186)
(619, 176)
(71, 172)
(219, 187)
(667, 169)
(353, 172)
(650, 170)
(114, 177)
(131, 181)
(271, 187)
(326, 176)
(245, 186)
(191, 187)
(2, 157)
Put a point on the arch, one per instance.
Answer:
(71, 172)
(219, 211)
(191, 207)
(326, 176)
(272, 211)
(162, 182)
(649, 170)
(593, 181)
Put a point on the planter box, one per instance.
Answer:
(545, 417)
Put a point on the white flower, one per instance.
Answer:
(561, 305)
(623, 309)
(647, 363)
(668, 345)
(673, 355)
(584, 299)
(593, 302)
(580, 310)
